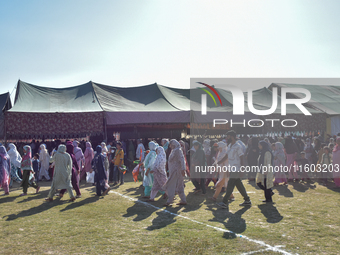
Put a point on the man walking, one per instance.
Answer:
(235, 160)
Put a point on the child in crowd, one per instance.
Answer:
(36, 169)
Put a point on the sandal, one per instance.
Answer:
(167, 204)
(23, 194)
(150, 200)
(49, 199)
(72, 199)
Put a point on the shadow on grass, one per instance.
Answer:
(7, 198)
(77, 204)
(164, 218)
(141, 211)
(271, 213)
(35, 210)
(283, 190)
(302, 186)
(231, 221)
(40, 195)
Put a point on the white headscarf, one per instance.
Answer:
(222, 153)
(14, 155)
(43, 151)
(160, 161)
(206, 147)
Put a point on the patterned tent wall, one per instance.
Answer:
(53, 125)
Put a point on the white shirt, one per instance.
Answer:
(244, 148)
(234, 152)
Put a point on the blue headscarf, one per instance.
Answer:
(99, 149)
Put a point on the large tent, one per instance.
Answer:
(5, 105)
(152, 110)
(41, 112)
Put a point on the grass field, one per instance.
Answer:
(303, 220)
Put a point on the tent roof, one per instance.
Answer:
(95, 97)
(148, 98)
(323, 98)
(5, 101)
(32, 98)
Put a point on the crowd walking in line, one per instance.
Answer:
(167, 164)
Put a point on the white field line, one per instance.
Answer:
(267, 246)
(262, 250)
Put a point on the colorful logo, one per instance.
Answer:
(209, 93)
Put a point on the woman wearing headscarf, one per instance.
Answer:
(159, 174)
(44, 159)
(148, 164)
(5, 169)
(15, 163)
(252, 155)
(279, 160)
(75, 171)
(106, 160)
(167, 149)
(100, 173)
(207, 150)
(264, 178)
(62, 173)
(309, 150)
(89, 155)
(198, 159)
(78, 153)
(175, 182)
(212, 176)
(187, 169)
(140, 151)
(26, 166)
(336, 163)
(223, 176)
(292, 153)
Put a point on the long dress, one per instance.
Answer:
(176, 165)
(148, 163)
(75, 169)
(265, 181)
(279, 160)
(44, 159)
(89, 155)
(62, 172)
(223, 177)
(15, 163)
(5, 164)
(100, 173)
(159, 173)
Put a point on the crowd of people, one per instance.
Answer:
(166, 164)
